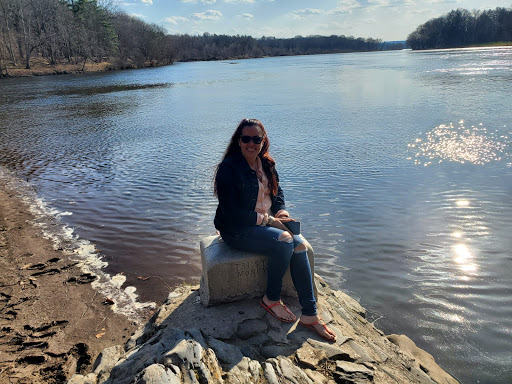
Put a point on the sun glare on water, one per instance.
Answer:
(475, 145)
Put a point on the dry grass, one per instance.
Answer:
(41, 67)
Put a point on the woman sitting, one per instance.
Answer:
(251, 217)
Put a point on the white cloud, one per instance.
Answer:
(138, 15)
(147, 2)
(301, 14)
(248, 16)
(208, 2)
(422, 11)
(210, 14)
(345, 6)
(239, 1)
(175, 19)
(379, 2)
(309, 11)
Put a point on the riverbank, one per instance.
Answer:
(41, 67)
(52, 322)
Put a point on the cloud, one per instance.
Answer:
(175, 19)
(248, 16)
(239, 1)
(210, 14)
(138, 15)
(345, 6)
(422, 11)
(309, 11)
(147, 2)
(208, 2)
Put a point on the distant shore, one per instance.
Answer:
(40, 67)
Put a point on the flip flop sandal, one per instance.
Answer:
(268, 308)
(313, 328)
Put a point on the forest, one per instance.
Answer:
(462, 28)
(77, 32)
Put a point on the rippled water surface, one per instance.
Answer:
(398, 163)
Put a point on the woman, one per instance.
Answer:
(251, 217)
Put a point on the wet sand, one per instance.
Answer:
(52, 322)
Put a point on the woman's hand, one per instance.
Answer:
(282, 213)
(279, 223)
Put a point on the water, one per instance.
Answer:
(397, 163)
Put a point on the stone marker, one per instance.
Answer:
(230, 275)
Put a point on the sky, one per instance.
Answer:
(388, 20)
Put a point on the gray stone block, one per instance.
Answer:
(231, 275)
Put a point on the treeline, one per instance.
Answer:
(219, 47)
(80, 31)
(461, 28)
(74, 31)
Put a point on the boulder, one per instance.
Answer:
(231, 275)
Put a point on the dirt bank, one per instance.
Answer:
(52, 323)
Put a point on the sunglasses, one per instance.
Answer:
(255, 139)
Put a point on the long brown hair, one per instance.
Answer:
(267, 161)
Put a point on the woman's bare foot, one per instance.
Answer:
(280, 311)
(316, 324)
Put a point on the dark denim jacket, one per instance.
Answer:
(237, 190)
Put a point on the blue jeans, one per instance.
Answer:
(281, 254)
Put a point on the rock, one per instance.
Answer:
(293, 373)
(249, 352)
(196, 334)
(260, 339)
(158, 374)
(212, 365)
(230, 275)
(316, 377)
(335, 352)
(250, 328)
(311, 357)
(80, 379)
(364, 355)
(425, 361)
(186, 353)
(226, 353)
(278, 337)
(351, 372)
(105, 361)
(269, 351)
(147, 354)
(246, 371)
(270, 374)
(255, 370)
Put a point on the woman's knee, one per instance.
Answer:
(285, 237)
(299, 245)
(300, 248)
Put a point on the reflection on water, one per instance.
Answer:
(98, 90)
(474, 145)
(131, 155)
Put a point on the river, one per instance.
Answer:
(398, 164)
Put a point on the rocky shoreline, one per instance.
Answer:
(185, 342)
